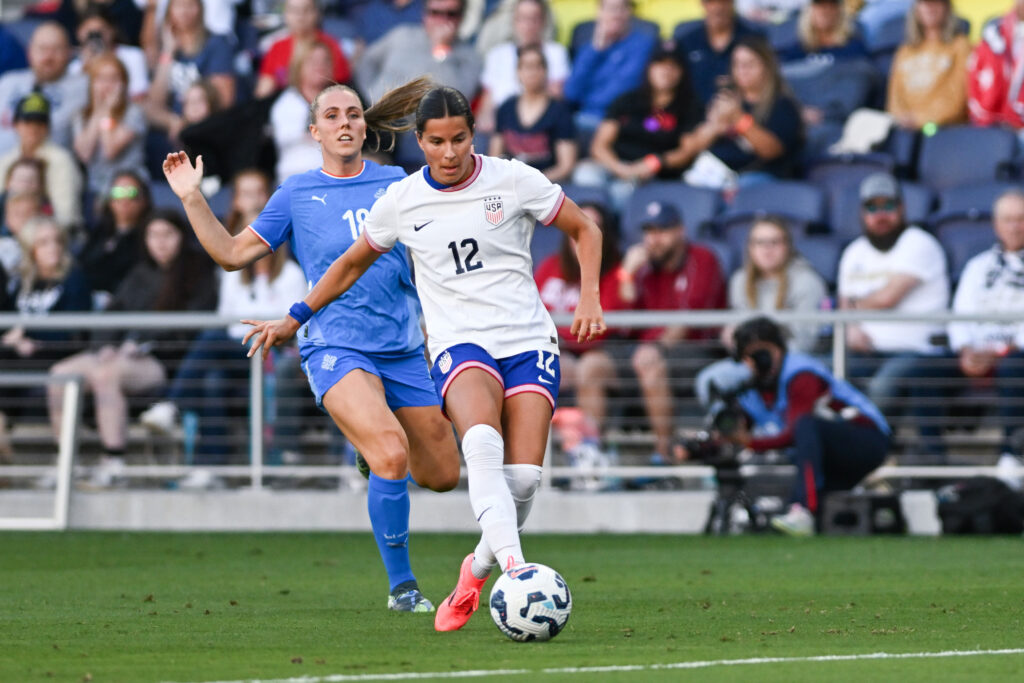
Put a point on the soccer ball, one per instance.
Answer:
(530, 602)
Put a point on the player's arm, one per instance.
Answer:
(342, 274)
(230, 252)
(588, 320)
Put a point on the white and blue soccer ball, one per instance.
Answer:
(530, 602)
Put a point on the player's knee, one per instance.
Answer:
(481, 443)
(389, 456)
(523, 481)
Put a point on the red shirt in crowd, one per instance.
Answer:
(278, 58)
(560, 296)
(696, 284)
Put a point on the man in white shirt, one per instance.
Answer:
(891, 267)
(992, 282)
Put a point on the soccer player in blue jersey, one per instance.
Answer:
(468, 220)
(363, 352)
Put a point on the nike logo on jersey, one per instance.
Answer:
(540, 378)
(322, 200)
(484, 512)
(419, 227)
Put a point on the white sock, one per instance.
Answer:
(489, 494)
(522, 481)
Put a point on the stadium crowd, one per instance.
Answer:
(764, 155)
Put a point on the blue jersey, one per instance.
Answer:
(321, 215)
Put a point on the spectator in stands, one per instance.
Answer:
(97, 35)
(302, 20)
(432, 48)
(218, 18)
(498, 26)
(374, 18)
(926, 83)
(188, 53)
(769, 11)
(47, 281)
(63, 179)
(110, 131)
(993, 90)
(19, 209)
(171, 277)
(114, 246)
(27, 175)
(500, 80)
(310, 73)
(834, 434)
(125, 16)
(775, 277)
(644, 132)
(891, 267)
(707, 48)
(12, 55)
(535, 127)
(588, 368)
(754, 124)
(611, 64)
(826, 32)
(983, 352)
(215, 368)
(48, 56)
(665, 272)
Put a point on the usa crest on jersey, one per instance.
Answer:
(494, 211)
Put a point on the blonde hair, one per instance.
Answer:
(751, 275)
(391, 113)
(300, 53)
(27, 239)
(914, 33)
(809, 40)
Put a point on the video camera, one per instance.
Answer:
(725, 417)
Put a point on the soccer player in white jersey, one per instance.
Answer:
(363, 353)
(467, 220)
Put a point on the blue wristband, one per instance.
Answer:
(301, 311)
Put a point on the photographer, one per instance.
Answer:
(836, 436)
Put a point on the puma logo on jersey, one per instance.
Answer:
(322, 200)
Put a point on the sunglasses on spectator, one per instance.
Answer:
(124, 192)
(876, 207)
(446, 13)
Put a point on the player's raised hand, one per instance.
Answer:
(267, 333)
(588, 320)
(182, 176)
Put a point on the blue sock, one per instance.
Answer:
(387, 501)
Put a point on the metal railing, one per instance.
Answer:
(256, 470)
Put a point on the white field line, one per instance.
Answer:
(485, 673)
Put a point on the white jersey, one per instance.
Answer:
(470, 245)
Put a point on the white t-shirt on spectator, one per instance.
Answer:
(218, 15)
(992, 281)
(261, 297)
(864, 270)
(499, 74)
(297, 151)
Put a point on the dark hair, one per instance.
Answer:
(187, 273)
(105, 225)
(609, 226)
(759, 329)
(523, 50)
(441, 102)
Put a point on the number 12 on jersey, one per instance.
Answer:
(470, 247)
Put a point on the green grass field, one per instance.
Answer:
(83, 606)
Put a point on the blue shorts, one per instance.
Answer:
(404, 376)
(533, 371)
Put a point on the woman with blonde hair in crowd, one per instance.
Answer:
(825, 27)
(927, 82)
(309, 73)
(110, 132)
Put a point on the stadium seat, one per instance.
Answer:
(803, 204)
(960, 155)
(163, 196)
(835, 174)
(783, 35)
(844, 211)
(888, 36)
(964, 240)
(587, 194)
(823, 252)
(546, 241)
(697, 205)
(968, 202)
(836, 88)
(728, 257)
